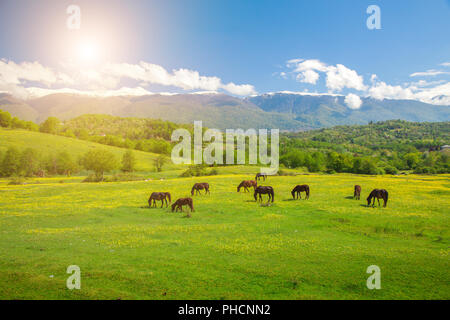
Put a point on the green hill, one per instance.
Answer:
(47, 143)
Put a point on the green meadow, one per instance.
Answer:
(231, 247)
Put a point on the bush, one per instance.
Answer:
(199, 170)
(16, 181)
(122, 177)
(390, 170)
(93, 178)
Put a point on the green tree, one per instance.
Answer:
(99, 161)
(11, 162)
(159, 162)
(5, 119)
(412, 159)
(51, 125)
(128, 161)
(65, 164)
(29, 162)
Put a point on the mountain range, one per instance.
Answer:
(286, 111)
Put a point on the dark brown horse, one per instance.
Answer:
(178, 205)
(264, 190)
(357, 192)
(260, 175)
(159, 196)
(247, 184)
(200, 186)
(378, 194)
(298, 189)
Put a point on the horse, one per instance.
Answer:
(247, 184)
(200, 186)
(357, 192)
(260, 175)
(378, 194)
(264, 190)
(298, 189)
(159, 196)
(183, 202)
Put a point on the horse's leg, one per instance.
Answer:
(378, 199)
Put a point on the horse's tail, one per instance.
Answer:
(191, 205)
(192, 190)
(307, 191)
(387, 196)
(273, 195)
(168, 196)
(150, 201)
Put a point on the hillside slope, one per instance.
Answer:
(47, 143)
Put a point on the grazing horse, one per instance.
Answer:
(260, 175)
(357, 192)
(183, 202)
(378, 194)
(247, 184)
(200, 186)
(159, 196)
(264, 190)
(298, 189)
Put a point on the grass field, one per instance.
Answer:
(231, 248)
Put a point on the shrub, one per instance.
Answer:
(199, 170)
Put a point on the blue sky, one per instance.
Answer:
(240, 43)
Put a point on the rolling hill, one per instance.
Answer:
(47, 143)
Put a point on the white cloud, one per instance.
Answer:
(353, 101)
(445, 64)
(428, 73)
(381, 91)
(340, 77)
(308, 76)
(15, 78)
(337, 77)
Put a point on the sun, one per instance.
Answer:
(88, 52)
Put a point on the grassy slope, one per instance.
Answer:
(46, 143)
(231, 247)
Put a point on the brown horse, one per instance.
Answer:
(183, 202)
(357, 192)
(378, 194)
(247, 184)
(159, 196)
(200, 186)
(298, 189)
(264, 190)
(260, 175)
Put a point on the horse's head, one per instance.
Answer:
(238, 188)
(368, 200)
(173, 206)
(293, 193)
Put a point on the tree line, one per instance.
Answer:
(30, 163)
